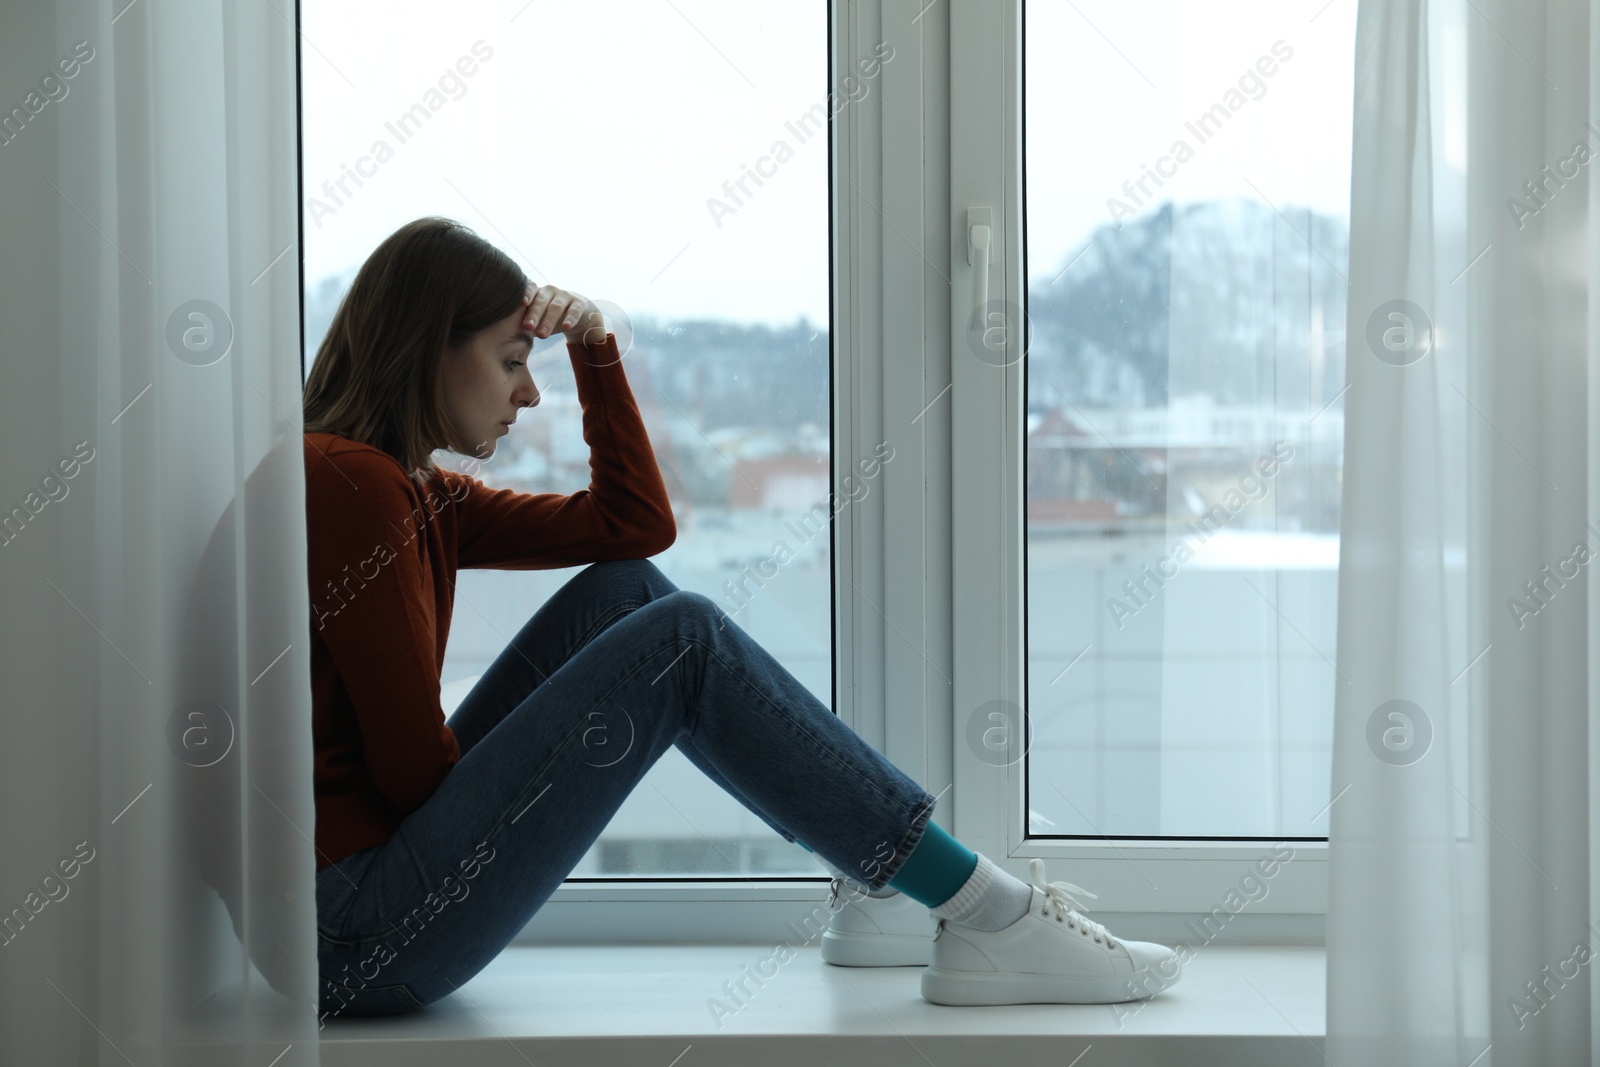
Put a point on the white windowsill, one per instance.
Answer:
(597, 1005)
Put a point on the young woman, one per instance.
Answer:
(437, 840)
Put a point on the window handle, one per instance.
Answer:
(978, 237)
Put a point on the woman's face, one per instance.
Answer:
(486, 383)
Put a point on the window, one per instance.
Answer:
(1133, 326)
(1185, 281)
(671, 160)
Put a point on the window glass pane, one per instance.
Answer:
(671, 159)
(1187, 195)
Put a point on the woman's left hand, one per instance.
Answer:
(548, 309)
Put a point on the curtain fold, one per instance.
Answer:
(157, 897)
(1459, 900)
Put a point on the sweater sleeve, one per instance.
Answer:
(625, 512)
(369, 607)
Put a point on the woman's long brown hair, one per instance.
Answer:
(378, 374)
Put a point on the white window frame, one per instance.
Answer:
(920, 639)
(1130, 877)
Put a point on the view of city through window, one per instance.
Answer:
(1186, 249)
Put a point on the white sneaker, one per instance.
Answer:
(868, 931)
(1052, 955)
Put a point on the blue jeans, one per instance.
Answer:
(618, 664)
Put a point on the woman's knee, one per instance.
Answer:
(640, 574)
(682, 613)
(698, 606)
(643, 568)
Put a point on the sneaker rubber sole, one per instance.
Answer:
(875, 950)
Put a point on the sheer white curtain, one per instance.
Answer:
(1459, 913)
(156, 874)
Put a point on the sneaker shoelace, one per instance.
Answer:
(1058, 896)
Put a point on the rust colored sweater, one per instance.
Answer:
(382, 554)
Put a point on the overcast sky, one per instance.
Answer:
(588, 142)
(1110, 86)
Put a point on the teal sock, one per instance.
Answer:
(938, 867)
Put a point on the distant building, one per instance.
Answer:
(781, 483)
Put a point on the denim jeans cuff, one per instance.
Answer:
(921, 815)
